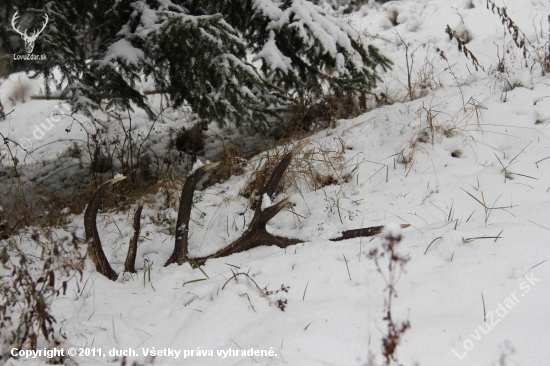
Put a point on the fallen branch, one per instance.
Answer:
(363, 232)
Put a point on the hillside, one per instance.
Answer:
(462, 156)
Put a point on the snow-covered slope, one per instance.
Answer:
(476, 296)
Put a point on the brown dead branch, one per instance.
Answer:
(363, 232)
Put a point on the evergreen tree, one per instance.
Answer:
(231, 61)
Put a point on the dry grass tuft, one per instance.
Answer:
(319, 166)
(231, 163)
(29, 290)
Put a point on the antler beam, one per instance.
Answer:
(179, 255)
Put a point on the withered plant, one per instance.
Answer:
(462, 48)
(29, 289)
(395, 266)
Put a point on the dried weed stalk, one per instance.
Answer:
(32, 283)
(395, 265)
(520, 39)
(280, 303)
(462, 48)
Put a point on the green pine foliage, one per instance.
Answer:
(231, 61)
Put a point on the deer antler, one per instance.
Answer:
(95, 251)
(257, 235)
(29, 40)
(35, 34)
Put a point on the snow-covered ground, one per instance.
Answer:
(477, 296)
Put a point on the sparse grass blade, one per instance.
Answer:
(406, 175)
(523, 175)
(426, 251)
(471, 195)
(467, 240)
(537, 163)
(536, 265)
(346, 261)
(484, 312)
(199, 267)
(544, 227)
(193, 281)
(519, 153)
(503, 167)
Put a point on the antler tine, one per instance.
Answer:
(179, 255)
(130, 263)
(13, 19)
(95, 251)
(274, 181)
(271, 211)
(278, 172)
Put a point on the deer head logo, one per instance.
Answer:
(29, 40)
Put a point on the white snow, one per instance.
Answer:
(266, 201)
(392, 230)
(475, 289)
(122, 49)
(198, 164)
(273, 56)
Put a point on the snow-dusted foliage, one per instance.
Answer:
(230, 61)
